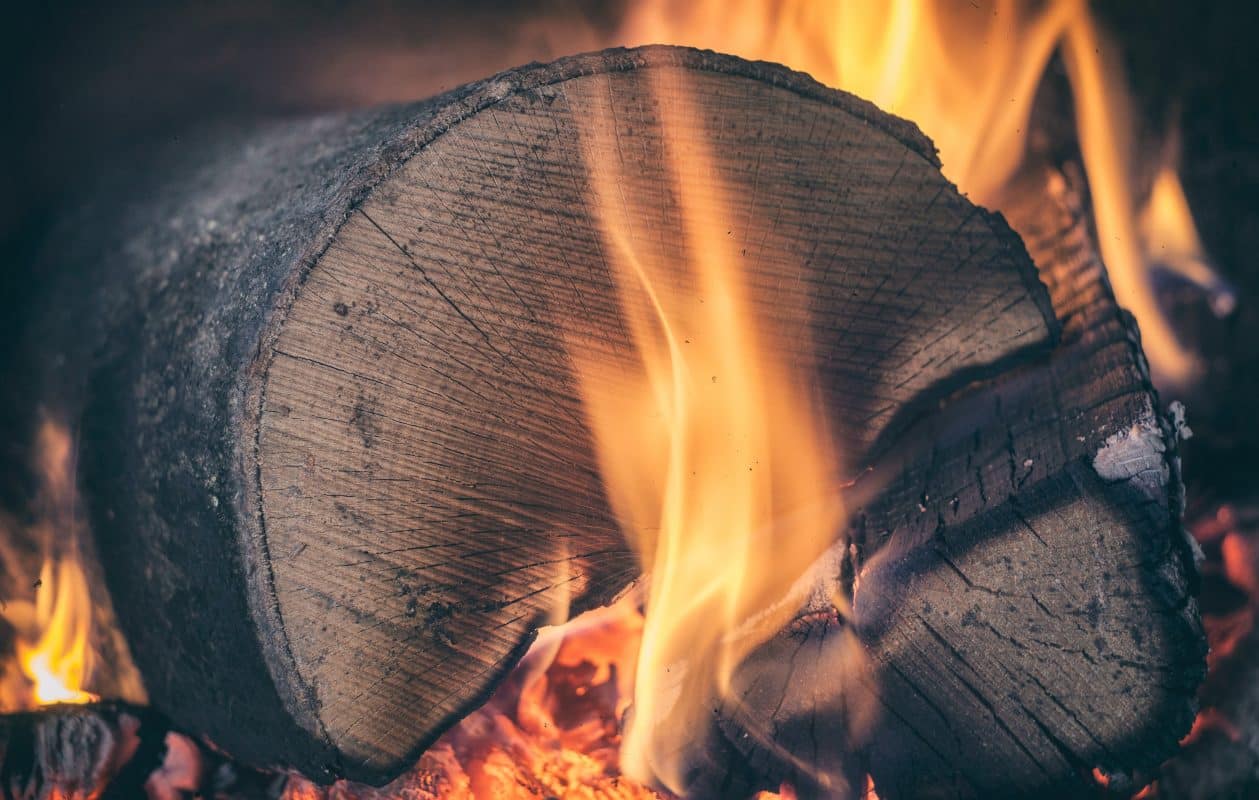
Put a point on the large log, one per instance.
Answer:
(335, 451)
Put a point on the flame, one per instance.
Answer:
(53, 628)
(968, 75)
(1172, 240)
(715, 455)
(1107, 140)
(58, 661)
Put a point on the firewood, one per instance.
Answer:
(116, 751)
(1022, 588)
(339, 470)
(77, 751)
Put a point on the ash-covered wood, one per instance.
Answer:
(103, 750)
(70, 751)
(115, 751)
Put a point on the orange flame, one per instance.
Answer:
(53, 628)
(715, 455)
(967, 74)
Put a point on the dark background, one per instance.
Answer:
(85, 82)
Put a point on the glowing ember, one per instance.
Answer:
(551, 730)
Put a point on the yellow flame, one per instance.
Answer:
(53, 629)
(967, 73)
(715, 455)
(58, 661)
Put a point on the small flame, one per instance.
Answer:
(59, 662)
(1104, 116)
(715, 455)
(53, 628)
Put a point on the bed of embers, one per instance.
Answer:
(552, 729)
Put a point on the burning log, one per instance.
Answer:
(103, 750)
(1023, 585)
(115, 751)
(339, 469)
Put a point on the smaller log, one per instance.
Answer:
(76, 751)
(116, 751)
